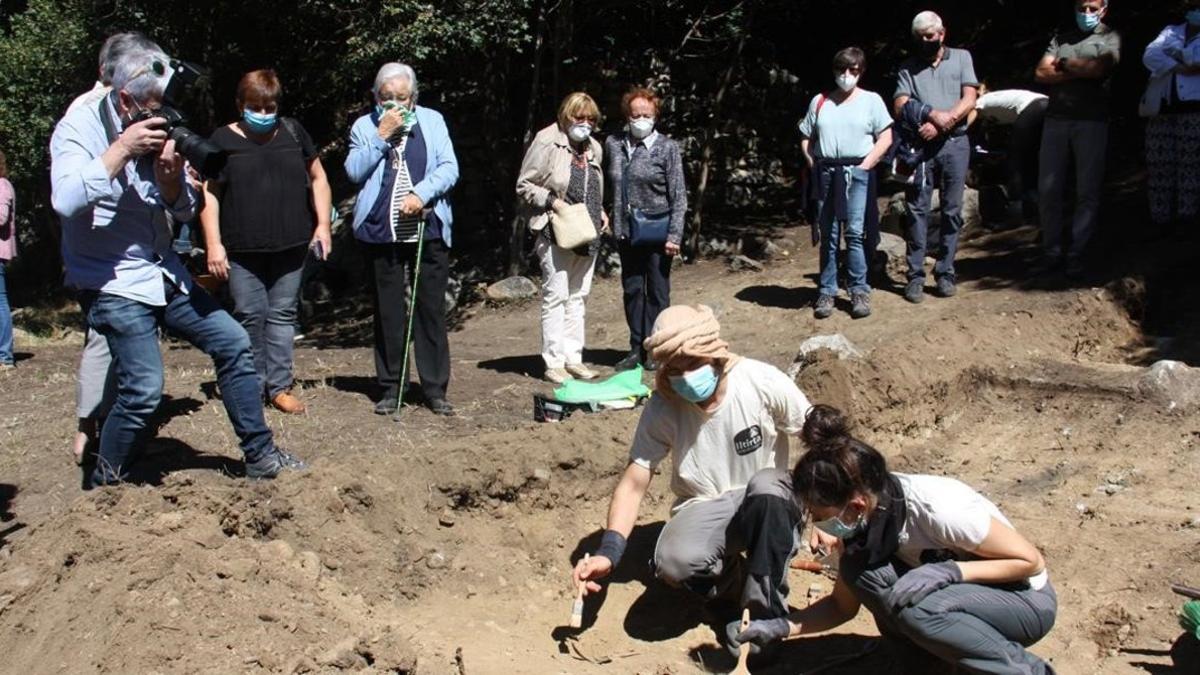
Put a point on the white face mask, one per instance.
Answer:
(641, 127)
(579, 132)
(846, 81)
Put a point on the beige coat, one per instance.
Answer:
(546, 171)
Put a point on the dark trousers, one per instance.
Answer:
(391, 268)
(265, 288)
(946, 172)
(646, 277)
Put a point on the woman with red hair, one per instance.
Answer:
(267, 208)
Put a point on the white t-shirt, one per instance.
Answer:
(1005, 106)
(946, 520)
(715, 452)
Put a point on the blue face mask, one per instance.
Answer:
(696, 385)
(834, 526)
(259, 123)
(1087, 22)
(1193, 17)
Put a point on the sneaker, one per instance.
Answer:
(290, 461)
(286, 401)
(556, 375)
(860, 305)
(632, 360)
(914, 292)
(266, 467)
(440, 406)
(823, 308)
(946, 287)
(581, 371)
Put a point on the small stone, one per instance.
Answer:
(446, 518)
(344, 655)
(541, 477)
(435, 560)
(741, 263)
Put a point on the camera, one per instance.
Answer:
(182, 76)
(204, 155)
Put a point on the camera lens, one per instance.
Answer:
(204, 155)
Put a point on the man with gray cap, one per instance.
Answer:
(943, 79)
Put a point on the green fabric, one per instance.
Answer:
(1189, 617)
(620, 386)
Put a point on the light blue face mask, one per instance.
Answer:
(834, 526)
(1087, 22)
(696, 385)
(1193, 17)
(259, 123)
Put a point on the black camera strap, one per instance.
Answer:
(109, 127)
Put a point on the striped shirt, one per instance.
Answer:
(405, 229)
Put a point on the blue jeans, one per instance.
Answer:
(265, 289)
(857, 183)
(131, 328)
(6, 327)
(947, 172)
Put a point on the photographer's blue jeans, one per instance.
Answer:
(857, 183)
(946, 172)
(266, 289)
(6, 326)
(131, 328)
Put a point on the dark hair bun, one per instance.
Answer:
(824, 426)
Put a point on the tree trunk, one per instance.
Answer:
(516, 234)
(710, 137)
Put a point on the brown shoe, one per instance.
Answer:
(284, 401)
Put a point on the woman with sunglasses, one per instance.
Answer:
(561, 168)
(846, 132)
(949, 580)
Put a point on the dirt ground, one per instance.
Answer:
(438, 546)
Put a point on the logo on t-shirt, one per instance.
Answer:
(748, 440)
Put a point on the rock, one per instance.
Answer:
(759, 248)
(893, 247)
(541, 477)
(446, 518)
(740, 263)
(344, 655)
(1172, 384)
(838, 344)
(310, 565)
(512, 289)
(277, 549)
(436, 560)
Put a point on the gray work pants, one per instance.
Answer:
(96, 386)
(1085, 142)
(700, 547)
(980, 629)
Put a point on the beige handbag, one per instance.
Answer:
(572, 226)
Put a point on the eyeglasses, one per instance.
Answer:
(853, 70)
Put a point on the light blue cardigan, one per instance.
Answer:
(365, 166)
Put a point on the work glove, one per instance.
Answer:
(759, 634)
(915, 586)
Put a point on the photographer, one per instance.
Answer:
(115, 177)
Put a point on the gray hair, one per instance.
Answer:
(134, 72)
(117, 45)
(396, 71)
(926, 21)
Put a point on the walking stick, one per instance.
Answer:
(412, 310)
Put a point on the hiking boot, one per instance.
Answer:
(388, 403)
(914, 292)
(946, 287)
(632, 360)
(823, 308)
(440, 406)
(860, 305)
(286, 401)
(266, 467)
(556, 375)
(580, 371)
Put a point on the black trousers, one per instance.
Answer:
(391, 269)
(646, 277)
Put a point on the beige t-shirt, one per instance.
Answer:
(715, 452)
(946, 520)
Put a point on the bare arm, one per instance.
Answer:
(806, 148)
(827, 613)
(879, 150)
(622, 514)
(1008, 557)
(210, 225)
(1090, 69)
(322, 202)
(1045, 73)
(898, 104)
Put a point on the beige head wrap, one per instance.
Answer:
(684, 330)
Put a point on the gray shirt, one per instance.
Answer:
(656, 183)
(1083, 98)
(939, 87)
